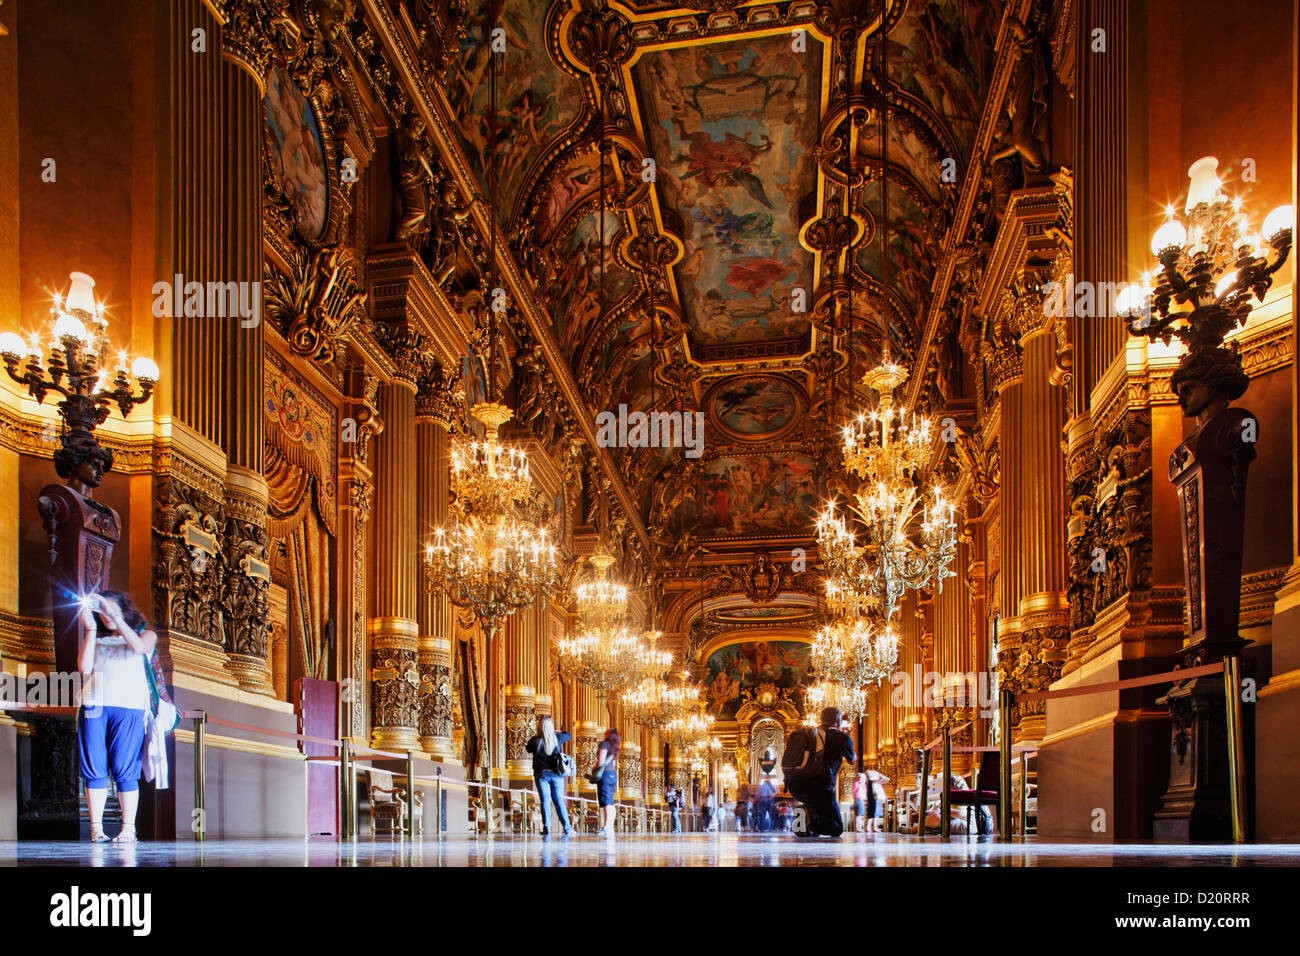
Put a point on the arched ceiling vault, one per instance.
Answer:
(769, 169)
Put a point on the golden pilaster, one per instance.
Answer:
(433, 611)
(629, 772)
(586, 738)
(654, 771)
(679, 771)
(1040, 549)
(520, 723)
(394, 631)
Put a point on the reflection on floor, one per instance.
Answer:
(695, 849)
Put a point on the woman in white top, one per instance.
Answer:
(876, 809)
(112, 658)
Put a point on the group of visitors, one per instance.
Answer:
(551, 767)
(764, 809)
(810, 766)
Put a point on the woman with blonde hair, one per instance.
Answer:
(549, 771)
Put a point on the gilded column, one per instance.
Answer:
(248, 575)
(954, 655)
(394, 631)
(189, 588)
(909, 715)
(679, 770)
(1007, 377)
(886, 741)
(433, 408)
(629, 772)
(1105, 157)
(586, 737)
(654, 771)
(1038, 554)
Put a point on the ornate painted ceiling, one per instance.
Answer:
(776, 177)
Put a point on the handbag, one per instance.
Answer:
(565, 765)
(164, 711)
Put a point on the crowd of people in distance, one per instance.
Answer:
(805, 803)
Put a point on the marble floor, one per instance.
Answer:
(693, 849)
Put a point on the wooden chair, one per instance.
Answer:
(988, 783)
(388, 804)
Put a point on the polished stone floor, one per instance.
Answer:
(694, 849)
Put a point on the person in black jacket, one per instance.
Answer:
(817, 793)
(545, 748)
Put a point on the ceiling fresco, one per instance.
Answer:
(731, 126)
(729, 287)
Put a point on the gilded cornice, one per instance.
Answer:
(28, 639)
(1008, 53)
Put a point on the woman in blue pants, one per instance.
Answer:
(112, 659)
(545, 748)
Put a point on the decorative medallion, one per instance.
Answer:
(297, 153)
(755, 407)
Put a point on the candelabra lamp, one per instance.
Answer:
(74, 363)
(76, 367)
(1212, 268)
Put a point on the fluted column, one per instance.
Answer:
(954, 655)
(433, 611)
(654, 770)
(248, 573)
(909, 715)
(1008, 380)
(1040, 550)
(394, 631)
(629, 772)
(1104, 156)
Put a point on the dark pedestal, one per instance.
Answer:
(1209, 469)
(1195, 807)
(52, 812)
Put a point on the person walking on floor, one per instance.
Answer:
(548, 771)
(812, 765)
(860, 788)
(875, 800)
(674, 808)
(605, 777)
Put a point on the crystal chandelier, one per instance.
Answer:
(498, 555)
(1210, 267)
(851, 701)
(703, 750)
(604, 654)
(688, 730)
(855, 652)
(654, 702)
(909, 532)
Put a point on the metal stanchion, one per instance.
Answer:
(487, 801)
(437, 805)
(344, 787)
(1236, 755)
(200, 776)
(923, 793)
(1004, 783)
(945, 798)
(1024, 792)
(410, 794)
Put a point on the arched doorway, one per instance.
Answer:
(766, 745)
